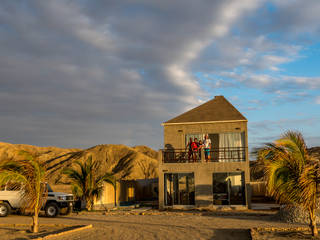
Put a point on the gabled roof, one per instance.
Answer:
(215, 110)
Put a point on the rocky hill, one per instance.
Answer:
(140, 162)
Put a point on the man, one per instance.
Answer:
(189, 147)
(207, 147)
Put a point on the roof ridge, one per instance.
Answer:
(216, 109)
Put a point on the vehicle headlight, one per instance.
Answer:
(62, 198)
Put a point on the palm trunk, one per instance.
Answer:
(115, 192)
(35, 222)
(313, 225)
(91, 203)
(115, 196)
(88, 204)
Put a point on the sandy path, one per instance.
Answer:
(172, 226)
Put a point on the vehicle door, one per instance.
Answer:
(13, 193)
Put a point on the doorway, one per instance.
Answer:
(179, 189)
(228, 188)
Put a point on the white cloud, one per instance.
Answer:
(106, 65)
(103, 66)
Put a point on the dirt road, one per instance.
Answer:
(163, 226)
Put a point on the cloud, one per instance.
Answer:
(89, 72)
(79, 73)
(257, 49)
(261, 132)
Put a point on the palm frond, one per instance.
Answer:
(289, 170)
(86, 181)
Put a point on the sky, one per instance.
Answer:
(77, 73)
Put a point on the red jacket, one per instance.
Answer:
(194, 146)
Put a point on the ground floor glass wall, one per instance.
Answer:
(179, 189)
(229, 188)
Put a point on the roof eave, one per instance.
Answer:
(224, 121)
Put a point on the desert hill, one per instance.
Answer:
(140, 162)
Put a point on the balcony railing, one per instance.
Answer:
(223, 154)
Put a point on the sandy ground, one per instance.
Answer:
(284, 235)
(24, 232)
(163, 225)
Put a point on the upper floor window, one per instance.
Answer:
(219, 140)
(222, 147)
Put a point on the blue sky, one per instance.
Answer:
(81, 73)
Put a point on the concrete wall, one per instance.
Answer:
(128, 191)
(174, 135)
(174, 138)
(107, 199)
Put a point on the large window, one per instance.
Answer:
(225, 147)
(229, 188)
(179, 189)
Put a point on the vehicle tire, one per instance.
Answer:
(51, 209)
(4, 209)
(66, 211)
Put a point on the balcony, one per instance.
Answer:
(224, 154)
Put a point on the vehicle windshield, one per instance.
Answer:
(49, 188)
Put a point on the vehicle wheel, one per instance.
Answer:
(66, 211)
(51, 209)
(4, 209)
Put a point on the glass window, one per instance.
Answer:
(231, 145)
(225, 147)
(228, 188)
(179, 189)
(49, 188)
(131, 195)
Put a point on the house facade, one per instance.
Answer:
(212, 177)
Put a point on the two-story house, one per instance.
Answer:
(215, 176)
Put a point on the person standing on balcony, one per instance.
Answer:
(195, 148)
(200, 146)
(207, 147)
(189, 147)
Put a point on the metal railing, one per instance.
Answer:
(223, 154)
(180, 156)
(227, 154)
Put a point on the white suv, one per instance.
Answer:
(11, 199)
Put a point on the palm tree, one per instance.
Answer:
(292, 174)
(86, 182)
(31, 174)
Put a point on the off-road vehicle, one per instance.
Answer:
(11, 199)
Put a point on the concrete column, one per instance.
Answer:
(160, 181)
(202, 155)
(160, 157)
(203, 185)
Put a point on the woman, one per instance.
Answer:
(207, 147)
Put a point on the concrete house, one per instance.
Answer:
(215, 177)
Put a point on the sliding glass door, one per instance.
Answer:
(228, 188)
(225, 147)
(179, 189)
